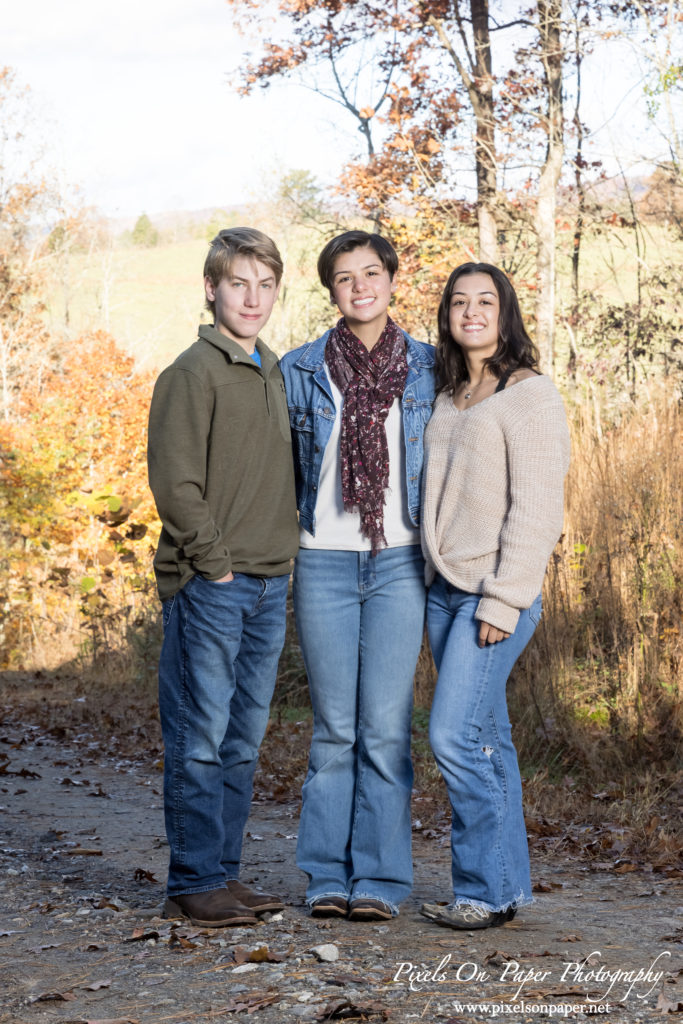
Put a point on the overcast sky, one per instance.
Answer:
(134, 102)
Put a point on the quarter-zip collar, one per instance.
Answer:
(234, 351)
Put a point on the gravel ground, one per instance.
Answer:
(82, 867)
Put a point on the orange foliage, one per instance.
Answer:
(78, 519)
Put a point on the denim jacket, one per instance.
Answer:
(312, 413)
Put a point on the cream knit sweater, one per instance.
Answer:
(493, 495)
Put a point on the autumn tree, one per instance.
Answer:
(75, 509)
(422, 113)
(444, 101)
(24, 195)
(475, 71)
(462, 90)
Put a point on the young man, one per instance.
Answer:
(220, 469)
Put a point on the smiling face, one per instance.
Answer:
(243, 300)
(473, 315)
(362, 288)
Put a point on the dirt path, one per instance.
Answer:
(82, 866)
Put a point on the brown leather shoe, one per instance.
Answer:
(330, 906)
(369, 910)
(259, 902)
(214, 909)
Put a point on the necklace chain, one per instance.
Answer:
(468, 394)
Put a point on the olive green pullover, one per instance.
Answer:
(220, 465)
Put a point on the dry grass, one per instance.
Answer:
(595, 701)
(604, 677)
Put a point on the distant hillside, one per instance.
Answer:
(181, 222)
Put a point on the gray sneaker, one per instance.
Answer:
(466, 916)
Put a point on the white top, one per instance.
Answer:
(337, 530)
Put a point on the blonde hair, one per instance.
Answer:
(232, 242)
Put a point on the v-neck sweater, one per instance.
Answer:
(493, 495)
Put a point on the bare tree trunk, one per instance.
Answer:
(549, 26)
(478, 80)
(488, 234)
(481, 96)
(578, 169)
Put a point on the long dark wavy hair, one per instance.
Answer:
(515, 347)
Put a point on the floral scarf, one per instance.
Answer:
(369, 382)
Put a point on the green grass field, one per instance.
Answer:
(151, 299)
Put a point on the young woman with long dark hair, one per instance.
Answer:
(496, 454)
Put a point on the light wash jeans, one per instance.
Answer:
(361, 622)
(470, 734)
(217, 672)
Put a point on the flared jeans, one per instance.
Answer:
(471, 738)
(360, 621)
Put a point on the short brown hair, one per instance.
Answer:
(232, 242)
(349, 241)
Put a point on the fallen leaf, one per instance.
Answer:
(179, 940)
(105, 904)
(348, 1010)
(23, 773)
(99, 792)
(48, 997)
(260, 955)
(250, 1002)
(80, 851)
(542, 886)
(141, 875)
(571, 938)
(140, 935)
(667, 1006)
(97, 985)
(497, 958)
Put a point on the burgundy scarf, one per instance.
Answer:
(369, 382)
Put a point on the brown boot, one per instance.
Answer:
(330, 906)
(217, 908)
(259, 902)
(368, 909)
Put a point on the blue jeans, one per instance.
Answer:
(361, 622)
(217, 673)
(470, 734)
